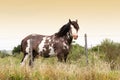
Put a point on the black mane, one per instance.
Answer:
(63, 30)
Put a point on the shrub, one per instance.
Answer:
(3, 54)
(110, 50)
(16, 49)
(76, 52)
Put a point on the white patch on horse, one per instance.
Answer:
(52, 45)
(44, 49)
(74, 31)
(49, 39)
(68, 35)
(65, 45)
(52, 52)
(24, 60)
(41, 45)
(28, 46)
(57, 41)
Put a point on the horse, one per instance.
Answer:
(46, 46)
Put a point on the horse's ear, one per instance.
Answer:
(76, 20)
(70, 21)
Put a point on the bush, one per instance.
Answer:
(76, 52)
(16, 50)
(111, 52)
(3, 54)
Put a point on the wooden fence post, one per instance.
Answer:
(31, 54)
(86, 49)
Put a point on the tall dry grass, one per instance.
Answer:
(50, 69)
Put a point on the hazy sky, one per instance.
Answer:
(98, 18)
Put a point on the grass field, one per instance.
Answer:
(50, 69)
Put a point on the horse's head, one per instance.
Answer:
(74, 28)
(71, 27)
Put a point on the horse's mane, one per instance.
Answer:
(63, 30)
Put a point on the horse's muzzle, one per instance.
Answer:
(75, 36)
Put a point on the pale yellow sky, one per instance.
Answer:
(18, 18)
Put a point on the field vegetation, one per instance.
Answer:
(103, 64)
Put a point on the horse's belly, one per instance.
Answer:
(52, 52)
(46, 50)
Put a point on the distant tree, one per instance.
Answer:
(16, 49)
(4, 54)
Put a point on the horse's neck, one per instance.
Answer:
(69, 40)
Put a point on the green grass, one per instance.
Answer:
(50, 69)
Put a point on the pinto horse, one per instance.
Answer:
(57, 44)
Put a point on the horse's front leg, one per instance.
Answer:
(60, 57)
(65, 57)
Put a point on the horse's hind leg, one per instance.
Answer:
(25, 57)
(31, 61)
(32, 58)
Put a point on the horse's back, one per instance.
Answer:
(36, 39)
